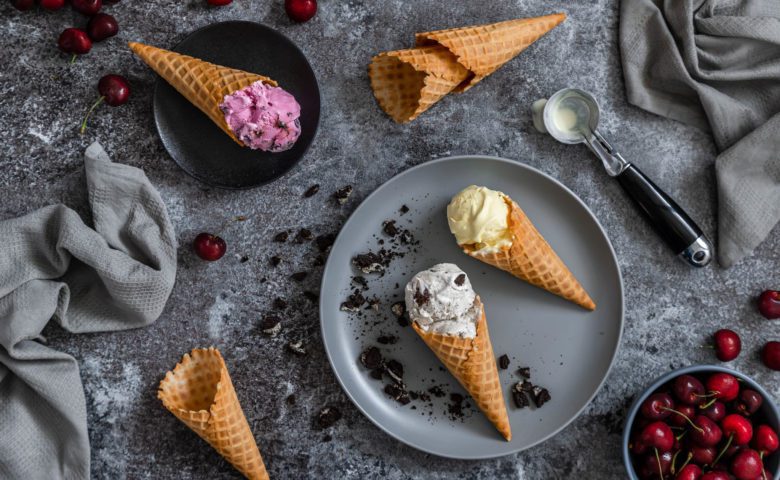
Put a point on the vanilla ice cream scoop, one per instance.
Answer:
(442, 300)
(479, 216)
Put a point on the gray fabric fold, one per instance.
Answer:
(116, 275)
(715, 64)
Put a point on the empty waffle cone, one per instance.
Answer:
(408, 82)
(482, 49)
(199, 392)
(472, 363)
(532, 259)
(204, 84)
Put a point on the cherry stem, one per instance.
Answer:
(674, 461)
(708, 395)
(73, 58)
(89, 112)
(698, 429)
(728, 444)
(658, 459)
(687, 460)
(708, 404)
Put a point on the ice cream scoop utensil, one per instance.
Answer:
(571, 116)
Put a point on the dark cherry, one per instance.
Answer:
(727, 345)
(688, 389)
(87, 7)
(680, 417)
(769, 304)
(707, 433)
(765, 441)
(689, 472)
(52, 4)
(209, 247)
(716, 411)
(657, 435)
(747, 465)
(75, 41)
(738, 427)
(770, 355)
(219, 3)
(114, 90)
(23, 5)
(657, 406)
(723, 386)
(749, 402)
(703, 455)
(649, 465)
(102, 26)
(300, 10)
(715, 475)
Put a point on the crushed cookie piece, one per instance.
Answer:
(518, 395)
(389, 228)
(324, 242)
(503, 362)
(541, 396)
(244, 259)
(311, 191)
(275, 261)
(279, 304)
(398, 309)
(342, 194)
(406, 237)
(460, 279)
(373, 304)
(395, 370)
(387, 339)
(399, 394)
(353, 302)
(290, 400)
(299, 276)
(311, 296)
(371, 358)
(271, 325)
(281, 237)
(296, 347)
(422, 298)
(304, 235)
(377, 373)
(368, 262)
(404, 209)
(327, 417)
(524, 372)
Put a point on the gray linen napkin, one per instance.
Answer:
(113, 277)
(715, 64)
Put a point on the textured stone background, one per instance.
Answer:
(670, 308)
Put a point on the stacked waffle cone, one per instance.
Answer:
(199, 392)
(408, 82)
(472, 363)
(204, 84)
(532, 259)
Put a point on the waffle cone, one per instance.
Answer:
(199, 392)
(482, 49)
(532, 259)
(204, 84)
(408, 82)
(472, 363)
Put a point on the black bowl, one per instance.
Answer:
(199, 146)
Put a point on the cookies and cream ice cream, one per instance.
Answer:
(479, 217)
(263, 117)
(441, 300)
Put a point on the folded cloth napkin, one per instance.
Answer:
(115, 276)
(715, 64)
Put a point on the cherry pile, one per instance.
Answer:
(707, 428)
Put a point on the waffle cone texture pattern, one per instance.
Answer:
(532, 259)
(202, 83)
(199, 392)
(472, 362)
(408, 82)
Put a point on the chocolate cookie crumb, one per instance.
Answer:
(275, 261)
(290, 400)
(460, 279)
(311, 191)
(279, 304)
(518, 395)
(389, 228)
(311, 296)
(525, 372)
(281, 237)
(541, 396)
(376, 373)
(398, 309)
(403, 321)
(387, 339)
(296, 347)
(406, 237)
(395, 370)
(353, 302)
(503, 362)
(422, 298)
(327, 417)
(324, 242)
(436, 391)
(304, 235)
(371, 358)
(271, 325)
(403, 209)
(368, 262)
(299, 276)
(525, 386)
(358, 280)
(373, 304)
(399, 394)
(455, 407)
(244, 259)
(342, 194)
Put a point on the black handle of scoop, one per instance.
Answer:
(668, 219)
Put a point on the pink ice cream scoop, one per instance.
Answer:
(263, 117)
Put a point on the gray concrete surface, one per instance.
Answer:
(671, 309)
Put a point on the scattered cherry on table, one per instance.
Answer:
(770, 355)
(114, 90)
(87, 7)
(209, 247)
(300, 10)
(727, 344)
(75, 41)
(52, 4)
(769, 304)
(102, 26)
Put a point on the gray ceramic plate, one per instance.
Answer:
(569, 350)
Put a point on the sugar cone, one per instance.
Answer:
(472, 363)
(408, 82)
(204, 84)
(482, 49)
(199, 392)
(532, 259)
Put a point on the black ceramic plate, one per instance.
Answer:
(199, 146)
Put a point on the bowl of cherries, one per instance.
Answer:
(703, 423)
